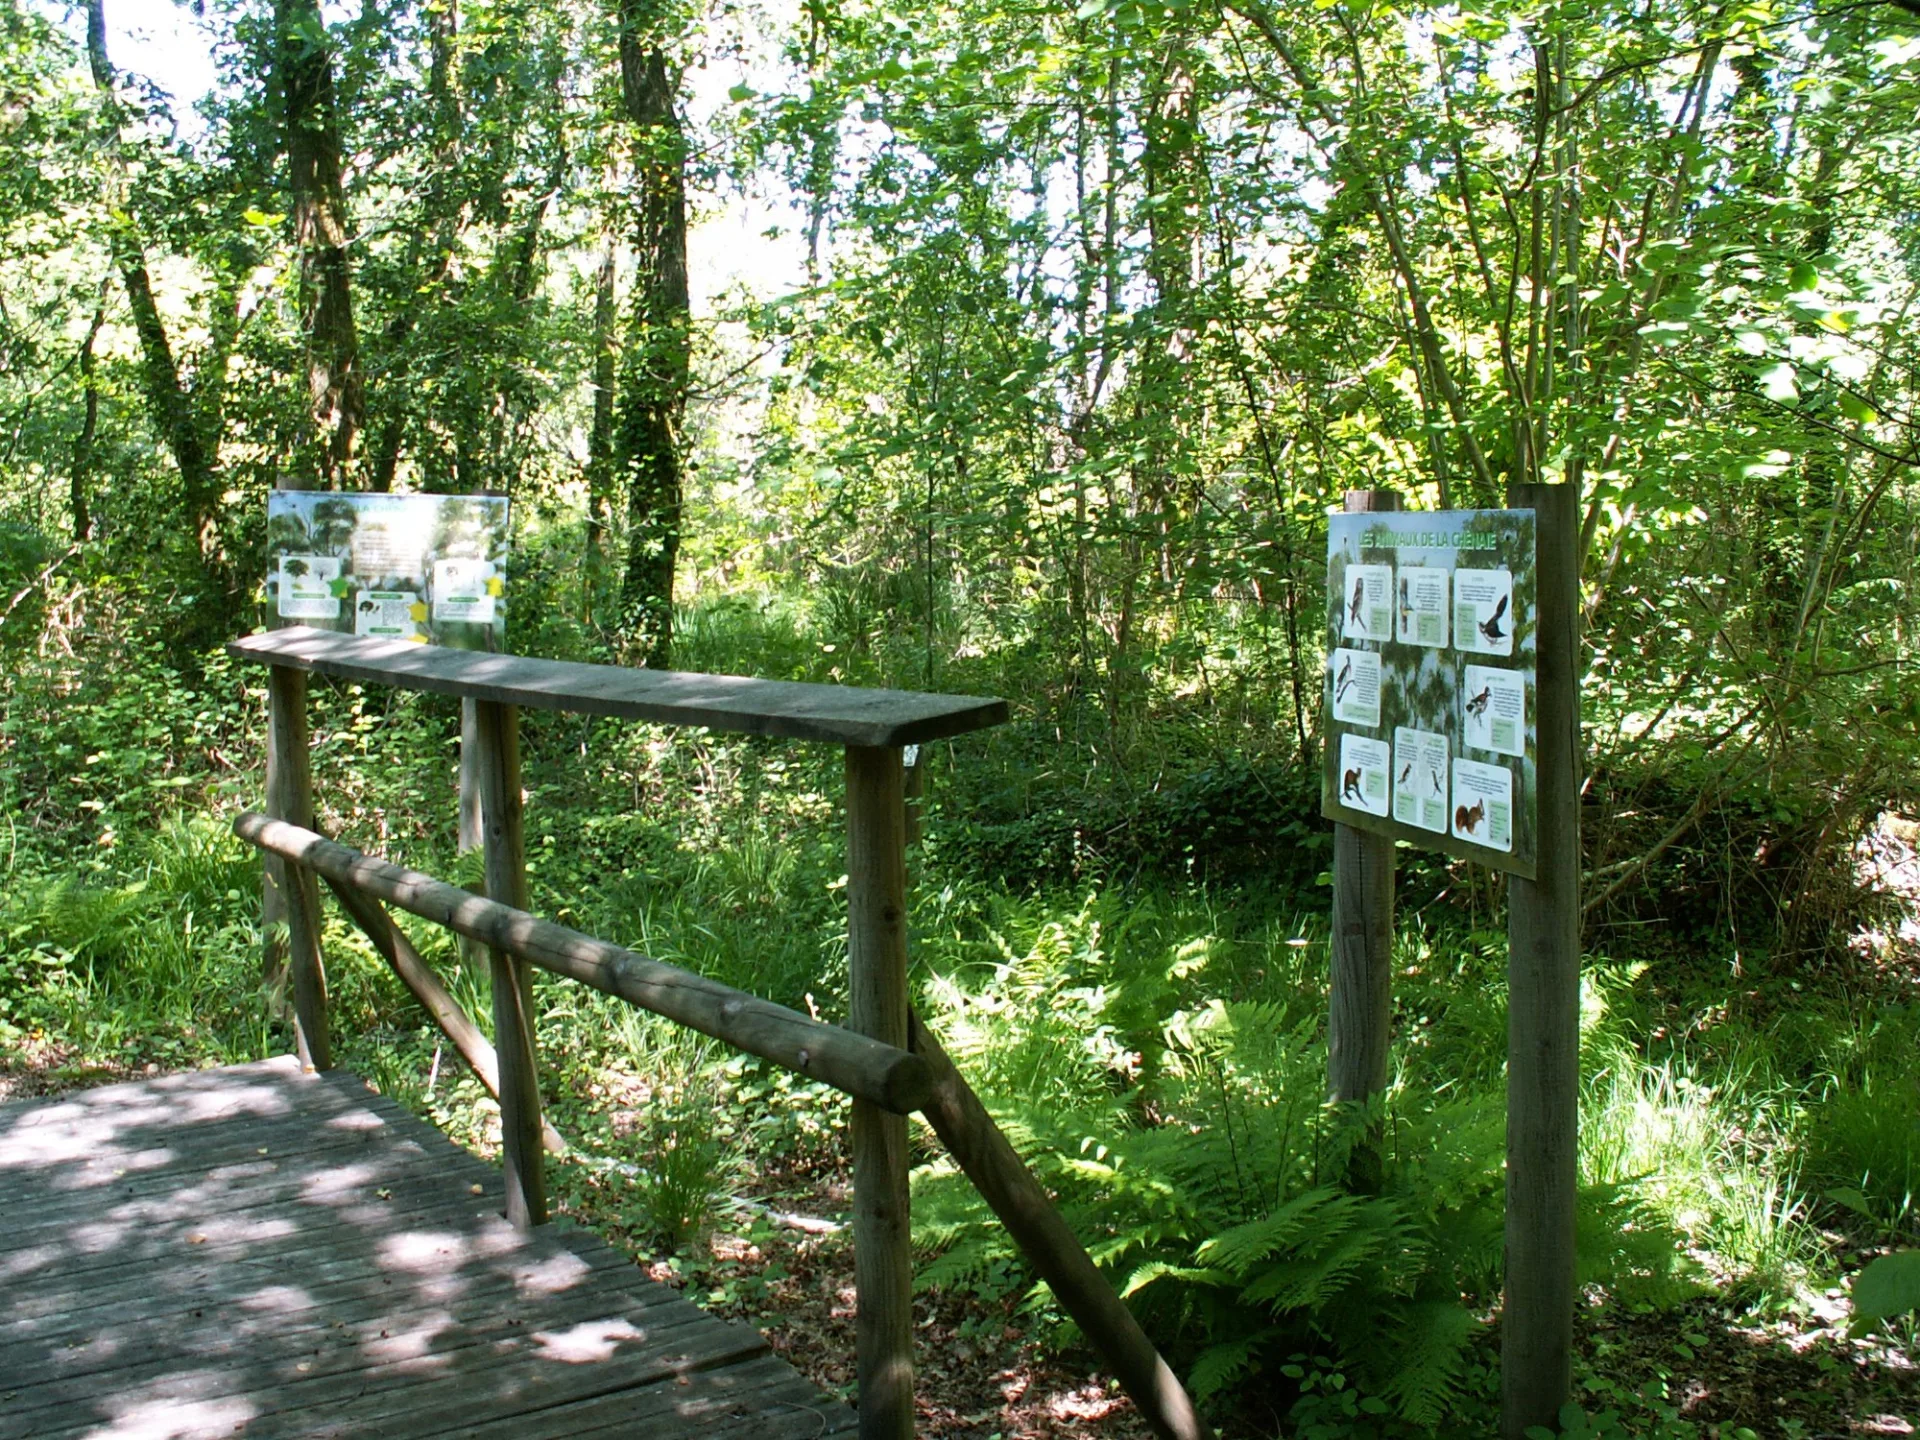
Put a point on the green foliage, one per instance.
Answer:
(688, 1154)
(1208, 1182)
(1645, 1414)
(1888, 1287)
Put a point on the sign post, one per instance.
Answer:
(1543, 1007)
(1360, 1015)
(1452, 722)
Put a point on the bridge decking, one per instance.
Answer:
(256, 1252)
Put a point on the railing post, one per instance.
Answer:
(471, 827)
(877, 959)
(290, 798)
(497, 761)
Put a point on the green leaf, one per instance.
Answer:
(260, 219)
(1889, 1286)
(1856, 409)
(740, 94)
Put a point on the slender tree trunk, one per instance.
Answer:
(522, 271)
(653, 392)
(79, 479)
(169, 403)
(440, 218)
(600, 461)
(336, 387)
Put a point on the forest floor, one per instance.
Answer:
(783, 1261)
(1717, 1366)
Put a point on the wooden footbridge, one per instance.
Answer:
(272, 1250)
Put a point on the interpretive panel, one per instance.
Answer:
(1430, 680)
(426, 568)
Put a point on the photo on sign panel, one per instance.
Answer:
(309, 586)
(1368, 610)
(1494, 707)
(1356, 687)
(1363, 773)
(1483, 616)
(1420, 606)
(1420, 764)
(1483, 804)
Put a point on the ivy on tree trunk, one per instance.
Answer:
(655, 373)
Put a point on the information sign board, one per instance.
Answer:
(1429, 683)
(425, 568)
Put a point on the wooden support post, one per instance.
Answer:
(1543, 1034)
(915, 791)
(497, 759)
(273, 899)
(414, 972)
(1360, 1013)
(290, 798)
(877, 962)
(471, 826)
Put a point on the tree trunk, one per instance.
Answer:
(600, 461)
(441, 210)
(80, 477)
(336, 387)
(169, 403)
(653, 392)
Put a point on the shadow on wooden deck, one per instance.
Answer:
(256, 1252)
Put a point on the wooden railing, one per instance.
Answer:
(887, 1061)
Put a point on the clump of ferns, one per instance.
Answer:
(1228, 1224)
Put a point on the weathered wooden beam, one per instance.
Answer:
(988, 1159)
(887, 1075)
(837, 714)
(1360, 1000)
(291, 799)
(1543, 1003)
(497, 764)
(470, 826)
(397, 950)
(877, 979)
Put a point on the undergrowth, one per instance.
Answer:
(1139, 1002)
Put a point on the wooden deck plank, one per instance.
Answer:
(370, 1305)
(272, 1326)
(750, 1398)
(185, 1274)
(838, 714)
(232, 1181)
(172, 1280)
(326, 1366)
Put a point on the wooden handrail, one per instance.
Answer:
(886, 1075)
(888, 1062)
(836, 714)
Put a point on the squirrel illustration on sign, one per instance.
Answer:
(1490, 627)
(1439, 785)
(1477, 704)
(1468, 819)
(1350, 786)
(1353, 608)
(1406, 771)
